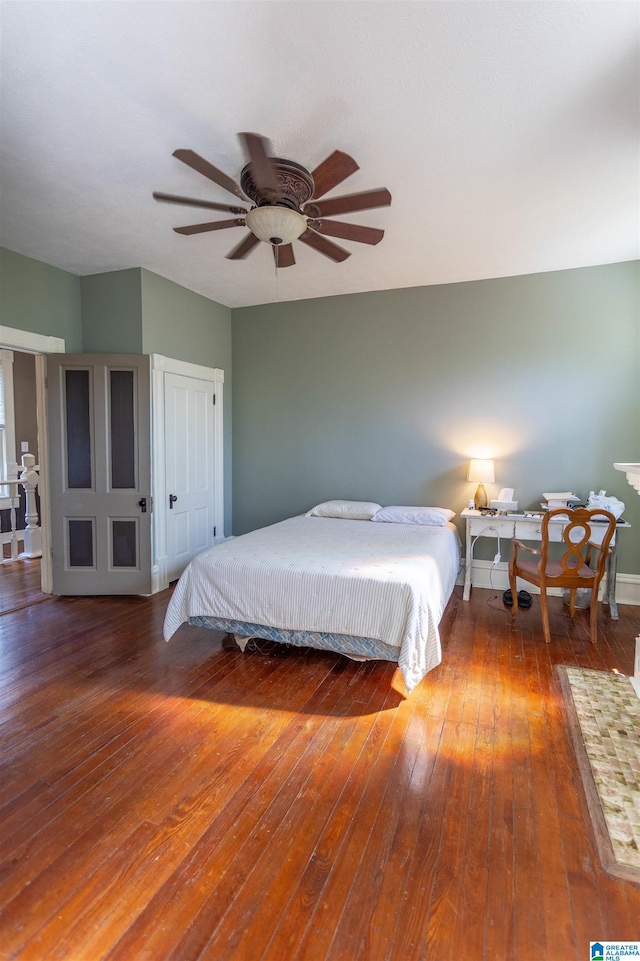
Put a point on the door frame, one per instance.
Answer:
(159, 366)
(12, 338)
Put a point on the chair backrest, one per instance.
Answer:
(576, 538)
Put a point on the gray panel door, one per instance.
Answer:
(98, 408)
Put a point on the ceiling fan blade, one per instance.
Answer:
(202, 166)
(337, 228)
(324, 246)
(191, 202)
(345, 205)
(332, 172)
(203, 228)
(262, 170)
(244, 247)
(283, 255)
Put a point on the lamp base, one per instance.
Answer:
(480, 500)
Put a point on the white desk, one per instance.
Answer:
(529, 529)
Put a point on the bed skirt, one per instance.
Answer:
(367, 647)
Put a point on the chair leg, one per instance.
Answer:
(593, 616)
(572, 602)
(545, 615)
(514, 594)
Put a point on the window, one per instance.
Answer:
(8, 465)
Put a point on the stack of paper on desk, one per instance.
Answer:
(563, 499)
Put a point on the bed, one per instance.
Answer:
(364, 589)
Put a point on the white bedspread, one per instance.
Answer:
(385, 581)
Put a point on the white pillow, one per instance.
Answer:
(348, 510)
(428, 516)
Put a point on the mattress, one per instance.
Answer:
(318, 575)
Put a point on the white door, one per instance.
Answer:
(98, 408)
(190, 475)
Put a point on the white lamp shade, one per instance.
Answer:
(276, 225)
(481, 472)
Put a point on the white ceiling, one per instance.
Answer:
(507, 133)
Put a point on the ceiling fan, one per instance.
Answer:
(286, 203)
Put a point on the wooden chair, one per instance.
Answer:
(573, 569)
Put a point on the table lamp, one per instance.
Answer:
(481, 472)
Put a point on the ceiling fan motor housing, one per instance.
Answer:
(280, 221)
(295, 183)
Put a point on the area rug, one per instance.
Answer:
(604, 719)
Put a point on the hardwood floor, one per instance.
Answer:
(179, 801)
(19, 584)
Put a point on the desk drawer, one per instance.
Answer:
(480, 525)
(531, 531)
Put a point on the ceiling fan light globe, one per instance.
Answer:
(276, 225)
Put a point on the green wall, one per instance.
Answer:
(136, 311)
(112, 312)
(385, 396)
(40, 299)
(122, 311)
(185, 326)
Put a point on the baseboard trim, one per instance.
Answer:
(496, 577)
(628, 589)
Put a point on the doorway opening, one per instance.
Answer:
(39, 345)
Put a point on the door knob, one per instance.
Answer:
(172, 500)
(142, 504)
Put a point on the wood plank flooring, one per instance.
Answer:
(19, 583)
(180, 801)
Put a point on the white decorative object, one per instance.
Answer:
(606, 503)
(633, 474)
(32, 533)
